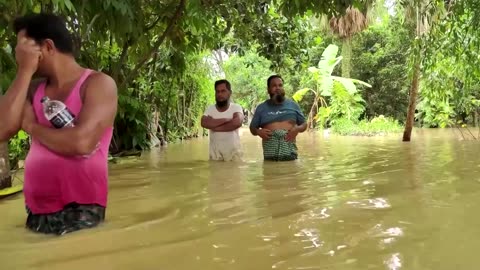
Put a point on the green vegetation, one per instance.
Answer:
(333, 97)
(248, 74)
(347, 63)
(377, 126)
(18, 148)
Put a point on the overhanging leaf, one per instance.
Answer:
(349, 83)
(298, 96)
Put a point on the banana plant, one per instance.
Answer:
(343, 95)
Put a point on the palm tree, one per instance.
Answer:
(353, 21)
(345, 27)
(5, 177)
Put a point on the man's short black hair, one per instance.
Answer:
(227, 83)
(273, 77)
(43, 26)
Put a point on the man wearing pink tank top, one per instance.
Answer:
(64, 191)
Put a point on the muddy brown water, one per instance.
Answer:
(347, 203)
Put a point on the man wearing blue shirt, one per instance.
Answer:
(278, 121)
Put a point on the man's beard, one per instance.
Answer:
(222, 103)
(278, 98)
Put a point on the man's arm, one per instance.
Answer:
(292, 133)
(301, 121)
(254, 130)
(11, 105)
(301, 124)
(210, 123)
(233, 124)
(98, 113)
(255, 123)
(27, 55)
(301, 128)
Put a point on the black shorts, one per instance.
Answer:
(72, 218)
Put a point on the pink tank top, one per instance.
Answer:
(53, 181)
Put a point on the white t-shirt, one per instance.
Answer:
(224, 145)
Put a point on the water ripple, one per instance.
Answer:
(377, 203)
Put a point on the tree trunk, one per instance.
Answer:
(312, 114)
(5, 178)
(166, 112)
(421, 28)
(475, 117)
(412, 104)
(154, 140)
(347, 56)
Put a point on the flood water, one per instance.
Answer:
(347, 203)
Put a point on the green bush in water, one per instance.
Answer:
(379, 125)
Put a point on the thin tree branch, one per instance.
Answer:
(148, 28)
(160, 40)
(123, 55)
(90, 25)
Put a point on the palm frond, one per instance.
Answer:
(354, 21)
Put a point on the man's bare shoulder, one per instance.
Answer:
(102, 80)
(99, 82)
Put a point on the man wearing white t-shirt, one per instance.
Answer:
(224, 120)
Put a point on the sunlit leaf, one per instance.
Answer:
(298, 96)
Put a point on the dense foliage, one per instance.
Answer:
(379, 56)
(165, 56)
